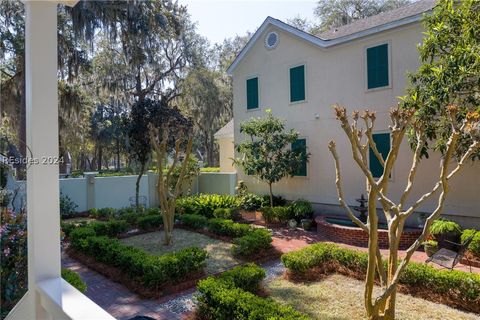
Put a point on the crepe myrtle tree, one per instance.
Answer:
(266, 154)
(170, 135)
(361, 140)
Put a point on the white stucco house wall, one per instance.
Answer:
(224, 138)
(299, 76)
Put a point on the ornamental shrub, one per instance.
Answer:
(153, 271)
(221, 300)
(228, 228)
(251, 202)
(74, 279)
(474, 246)
(194, 221)
(462, 287)
(247, 277)
(226, 213)
(79, 235)
(276, 214)
(103, 213)
(445, 226)
(67, 206)
(253, 242)
(302, 209)
(150, 222)
(110, 228)
(205, 204)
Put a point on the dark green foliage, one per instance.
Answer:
(247, 277)
(194, 221)
(221, 300)
(78, 236)
(226, 213)
(67, 206)
(439, 227)
(153, 271)
(449, 71)
(153, 211)
(474, 246)
(301, 209)
(252, 243)
(278, 201)
(252, 202)
(110, 228)
(277, 214)
(228, 228)
(150, 222)
(103, 213)
(205, 204)
(266, 152)
(465, 284)
(67, 227)
(74, 279)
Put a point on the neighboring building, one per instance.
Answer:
(361, 65)
(224, 138)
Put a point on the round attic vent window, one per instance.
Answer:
(271, 40)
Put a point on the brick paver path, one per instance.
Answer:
(124, 304)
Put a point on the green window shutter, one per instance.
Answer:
(302, 145)
(377, 66)
(382, 140)
(297, 84)
(252, 93)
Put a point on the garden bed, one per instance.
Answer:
(220, 253)
(339, 297)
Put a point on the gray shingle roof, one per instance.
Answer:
(410, 10)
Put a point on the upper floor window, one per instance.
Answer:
(301, 145)
(297, 83)
(382, 141)
(252, 93)
(377, 67)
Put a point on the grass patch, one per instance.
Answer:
(220, 256)
(338, 297)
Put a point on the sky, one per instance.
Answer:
(220, 19)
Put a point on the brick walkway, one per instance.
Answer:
(124, 304)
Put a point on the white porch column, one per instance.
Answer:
(42, 139)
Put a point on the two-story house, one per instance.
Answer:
(299, 76)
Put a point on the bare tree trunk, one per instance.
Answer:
(271, 194)
(137, 186)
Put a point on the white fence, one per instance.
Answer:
(119, 192)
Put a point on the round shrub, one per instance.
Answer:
(302, 209)
(150, 222)
(474, 246)
(194, 221)
(253, 242)
(445, 226)
(247, 277)
(74, 279)
(251, 202)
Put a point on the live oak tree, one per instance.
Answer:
(170, 135)
(266, 153)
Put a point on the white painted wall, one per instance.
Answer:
(76, 190)
(337, 75)
(115, 192)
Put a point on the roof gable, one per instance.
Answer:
(358, 29)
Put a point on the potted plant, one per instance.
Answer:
(302, 211)
(443, 230)
(430, 247)
(250, 206)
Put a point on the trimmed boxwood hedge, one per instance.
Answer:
(152, 271)
(150, 222)
(110, 228)
(74, 279)
(226, 298)
(194, 221)
(252, 242)
(228, 228)
(466, 285)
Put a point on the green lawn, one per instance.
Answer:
(341, 298)
(220, 254)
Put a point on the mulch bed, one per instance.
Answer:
(318, 273)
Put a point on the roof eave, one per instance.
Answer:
(315, 40)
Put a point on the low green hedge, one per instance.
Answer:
(474, 246)
(78, 235)
(279, 214)
(194, 221)
(103, 213)
(467, 285)
(253, 242)
(110, 228)
(150, 222)
(247, 277)
(153, 271)
(228, 228)
(74, 279)
(222, 300)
